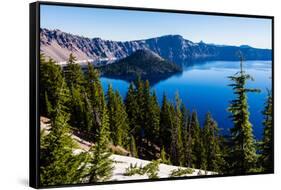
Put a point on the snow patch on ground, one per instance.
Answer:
(123, 162)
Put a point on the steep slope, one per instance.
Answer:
(175, 48)
(121, 162)
(144, 63)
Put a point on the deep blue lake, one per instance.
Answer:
(204, 87)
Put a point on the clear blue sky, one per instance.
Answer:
(124, 25)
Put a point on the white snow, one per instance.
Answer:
(123, 162)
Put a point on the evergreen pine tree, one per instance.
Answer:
(195, 135)
(50, 83)
(243, 151)
(146, 120)
(89, 120)
(131, 108)
(214, 157)
(176, 146)
(151, 119)
(187, 148)
(94, 99)
(75, 80)
(73, 73)
(118, 121)
(163, 156)
(132, 147)
(154, 119)
(101, 166)
(122, 118)
(58, 164)
(140, 115)
(267, 142)
(48, 105)
(166, 123)
(77, 108)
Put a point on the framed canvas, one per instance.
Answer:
(123, 94)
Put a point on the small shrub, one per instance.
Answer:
(150, 169)
(181, 172)
(132, 170)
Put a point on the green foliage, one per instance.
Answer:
(168, 133)
(186, 137)
(85, 101)
(143, 113)
(152, 116)
(49, 109)
(77, 108)
(51, 79)
(198, 151)
(94, 100)
(133, 148)
(243, 150)
(140, 99)
(100, 163)
(181, 172)
(132, 108)
(75, 81)
(163, 157)
(214, 158)
(150, 169)
(150, 119)
(266, 158)
(176, 146)
(143, 63)
(58, 164)
(166, 123)
(133, 170)
(73, 73)
(117, 118)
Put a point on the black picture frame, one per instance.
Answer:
(34, 117)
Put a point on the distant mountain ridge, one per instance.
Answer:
(58, 45)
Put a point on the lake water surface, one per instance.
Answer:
(204, 87)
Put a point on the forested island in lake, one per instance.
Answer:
(143, 63)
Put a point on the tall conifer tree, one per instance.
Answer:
(140, 113)
(155, 118)
(94, 98)
(58, 164)
(195, 135)
(51, 79)
(176, 134)
(118, 120)
(75, 80)
(187, 148)
(166, 123)
(211, 140)
(101, 165)
(243, 150)
(267, 142)
(132, 147)
(131, 108)
(73, 73)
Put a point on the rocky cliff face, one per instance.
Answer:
(58, 45)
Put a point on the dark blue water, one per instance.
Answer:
(203, 87)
